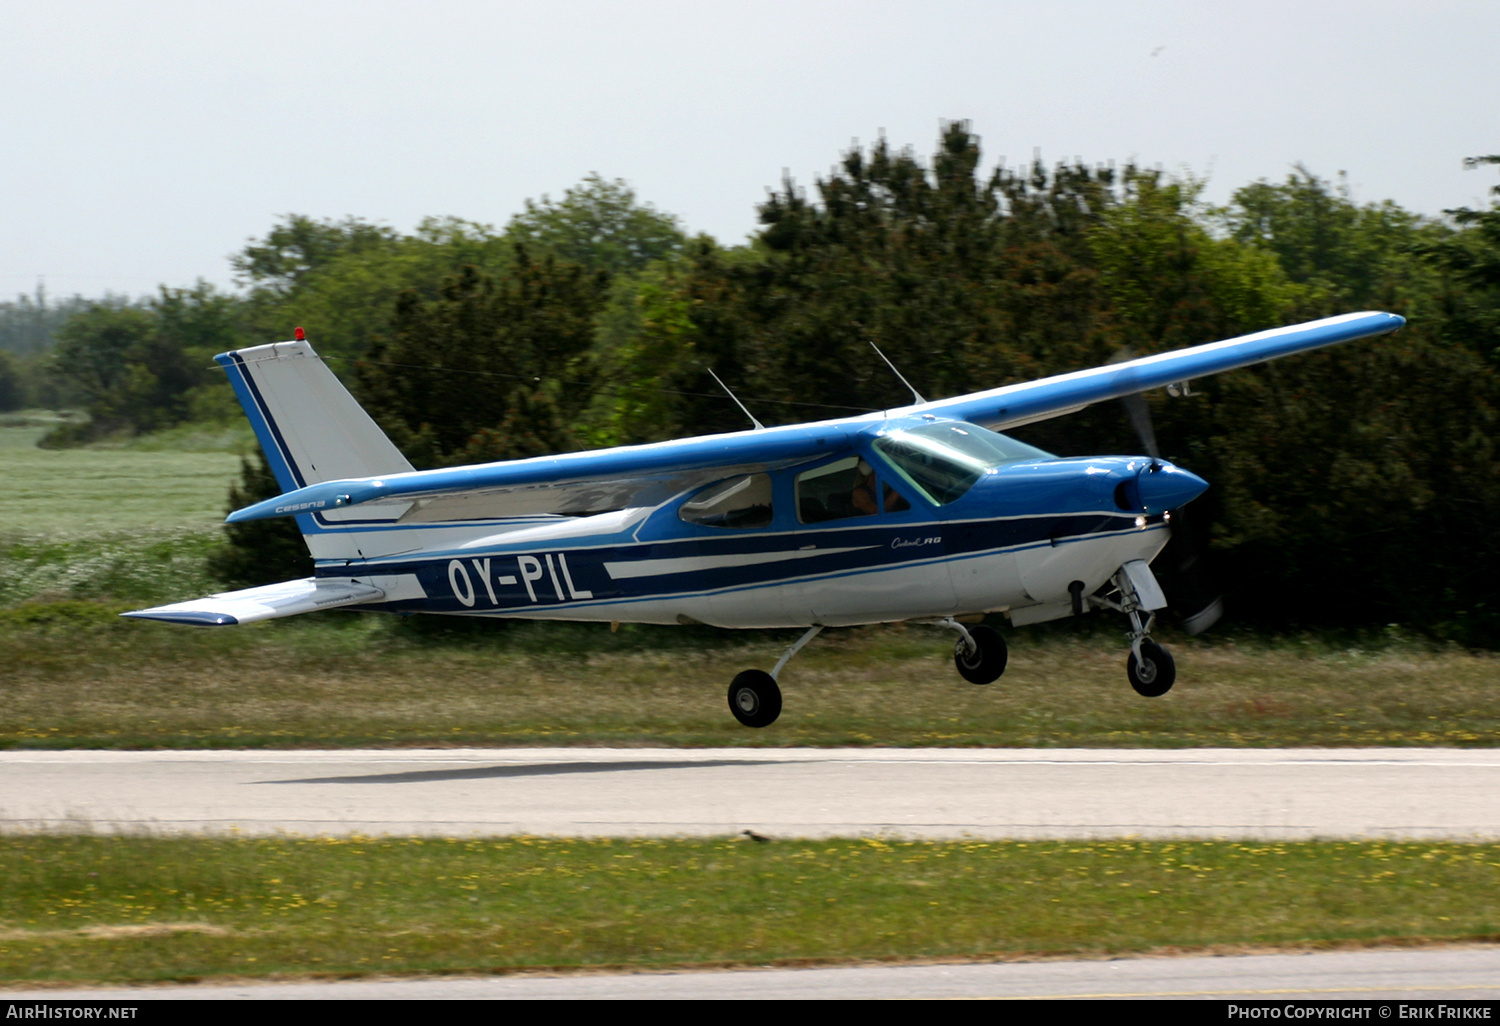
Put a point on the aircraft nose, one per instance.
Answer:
(1161, 486)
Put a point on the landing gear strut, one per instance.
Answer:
(980, 654)
(1135, 593)
(754, 695)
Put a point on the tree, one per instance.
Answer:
(201, 320)
(493, 368)
(299, 246)
(1324, 467)
(144, 367)
(1471, 259)
(1346, 255)
(129, 376)
(1331, 466)
(258, 552)
(28, 323)
(963, 280)
(599, 225)
(13, 391)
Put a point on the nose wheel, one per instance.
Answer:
(1153, 672)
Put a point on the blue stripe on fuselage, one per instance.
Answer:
(576, 574)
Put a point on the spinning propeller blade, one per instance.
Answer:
(1183, 564)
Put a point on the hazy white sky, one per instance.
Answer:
(143, 141)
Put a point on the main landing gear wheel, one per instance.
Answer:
(987, 661)
(1154, 673)
(755, 699)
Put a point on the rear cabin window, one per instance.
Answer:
(740, 502)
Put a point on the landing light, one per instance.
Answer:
(1140, 521)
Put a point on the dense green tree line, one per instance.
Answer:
(28, 329)
(1352, 486)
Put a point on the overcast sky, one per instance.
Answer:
(142, 142)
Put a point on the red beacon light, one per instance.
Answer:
(299, 334)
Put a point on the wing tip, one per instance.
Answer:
(191, 619)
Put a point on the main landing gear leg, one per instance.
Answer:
(980, 654)
(755, 697)
(1150, 667)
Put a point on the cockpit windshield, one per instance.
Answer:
(943, 460)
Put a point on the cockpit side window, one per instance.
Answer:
(843, 489)
(827, 492)
(741, 502)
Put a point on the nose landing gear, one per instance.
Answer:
(1135, 593)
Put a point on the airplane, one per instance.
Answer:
(924, 513)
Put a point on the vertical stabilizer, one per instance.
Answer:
(312, 430)
(309, 425)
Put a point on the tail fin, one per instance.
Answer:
(309, 425)
(312, 430)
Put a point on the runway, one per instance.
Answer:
(908, 793)
(1458, 974)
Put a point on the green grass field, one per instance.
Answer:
(143, 909)
(75, 675)
(81, 494)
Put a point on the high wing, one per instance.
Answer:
(1015, 405)
(648, 474)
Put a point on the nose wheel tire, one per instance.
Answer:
(1154, 673)
(755, 699)
(987, 662)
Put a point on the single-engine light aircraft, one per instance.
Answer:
(923, 513)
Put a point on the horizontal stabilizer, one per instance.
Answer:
(263, 603)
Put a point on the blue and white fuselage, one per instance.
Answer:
(1015, 541)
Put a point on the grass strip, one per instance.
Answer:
(84, 908)
(73, 674)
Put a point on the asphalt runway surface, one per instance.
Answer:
(1460, 974)
(1403, 793)
(906, 793)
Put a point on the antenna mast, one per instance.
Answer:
(758, 425)
(914, 393)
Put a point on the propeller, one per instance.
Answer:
(1183, 563)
